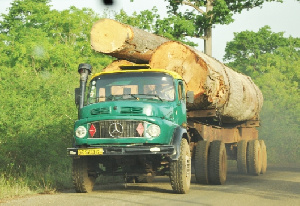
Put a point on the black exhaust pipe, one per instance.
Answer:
(84, 70)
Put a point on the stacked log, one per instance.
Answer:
(115, 65)
(123, 41)
(234, 95)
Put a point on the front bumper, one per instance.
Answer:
(122, 150)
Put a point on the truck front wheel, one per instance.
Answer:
(83, 183)
(217, 164)
(180, 170)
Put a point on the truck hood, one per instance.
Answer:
(108, 110)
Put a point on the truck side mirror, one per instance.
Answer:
(77, 96)
(190, 97)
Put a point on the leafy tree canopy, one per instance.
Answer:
(190, 19)
(149, 20)
(273, 61)
(255, 53)
(32, 35)
(40, 52)
(221, 12)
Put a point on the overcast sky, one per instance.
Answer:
(281, 17)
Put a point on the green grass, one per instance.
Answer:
(34, 181)
(12, 187)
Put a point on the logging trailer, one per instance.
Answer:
(134, 122)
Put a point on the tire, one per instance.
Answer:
(83, 183)
(217, 163)
(180, 170)
(254, 157)
(242, 157)
(264, 157)
(201, 162)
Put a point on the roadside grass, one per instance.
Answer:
(33, 181)
(13, 187)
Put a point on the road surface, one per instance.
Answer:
(279, 186)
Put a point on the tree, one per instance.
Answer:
(35, 36)
(149, 20)
(40, 52)
(255, 53)
(216, 12)
(273, 62)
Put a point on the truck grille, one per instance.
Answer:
(117, 129)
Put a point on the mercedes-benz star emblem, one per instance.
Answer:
(115, 129)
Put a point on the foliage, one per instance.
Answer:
(144, 20)
(273, 62)
(43, 39)
(40, 52)
(11, 186)
(188, 19)
(150, 21)
(221, 12)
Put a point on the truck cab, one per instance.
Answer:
(131, 122)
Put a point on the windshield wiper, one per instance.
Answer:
(152, 95)
(122, 96)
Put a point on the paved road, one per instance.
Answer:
(279, 186)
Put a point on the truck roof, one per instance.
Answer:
(171, 73)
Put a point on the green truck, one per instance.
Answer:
(134, 123)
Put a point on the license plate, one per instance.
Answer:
(98, 151)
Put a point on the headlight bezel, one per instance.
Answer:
(153, 130)
(81, 132)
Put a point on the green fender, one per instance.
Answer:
(178, 134)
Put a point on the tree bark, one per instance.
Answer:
(234, 95)
(208, 32)
(208, 41)
(123, 41)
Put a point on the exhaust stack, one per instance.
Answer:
(84, 70)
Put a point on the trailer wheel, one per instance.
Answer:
(217, 163)
(242, 157)
(264, 156)
(83, 183)
(180, 170)
(254, 157)
(201, 162)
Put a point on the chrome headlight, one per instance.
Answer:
(81, 132)
(153, 130)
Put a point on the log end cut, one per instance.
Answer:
(108, 35)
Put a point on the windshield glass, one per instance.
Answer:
(131, 85)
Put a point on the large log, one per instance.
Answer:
(115, 65)
(123, 41)
(234, 95)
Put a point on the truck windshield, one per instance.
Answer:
(131, 85)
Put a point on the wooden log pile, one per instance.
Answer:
(115, 65)
(123, 41)
(234, 95)
(215, 85)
